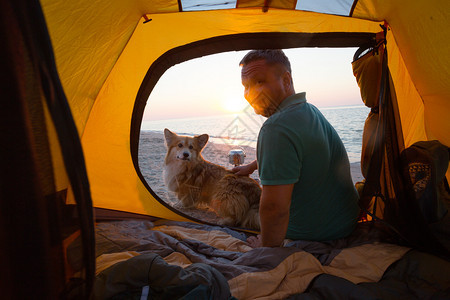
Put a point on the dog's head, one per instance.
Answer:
(184, 147)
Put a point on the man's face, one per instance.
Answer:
(265, 86)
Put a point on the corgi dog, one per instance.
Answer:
(197, 182)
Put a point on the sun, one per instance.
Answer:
(234, 104)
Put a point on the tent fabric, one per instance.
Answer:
(367, 71)
(103, 52)
(109, 56)
(110, 115)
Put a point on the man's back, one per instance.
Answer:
(298, 145)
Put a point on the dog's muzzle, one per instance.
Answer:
(184, 156)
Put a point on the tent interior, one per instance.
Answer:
(76, 79)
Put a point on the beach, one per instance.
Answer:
(151, 160)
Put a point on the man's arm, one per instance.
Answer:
(274, 213)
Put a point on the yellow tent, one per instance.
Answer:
(110, 54)
(105, 51)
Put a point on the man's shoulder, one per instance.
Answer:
(290, 117)
(271, 127)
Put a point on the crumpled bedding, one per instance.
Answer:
(148, 276)
(262, 273)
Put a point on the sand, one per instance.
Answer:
(151, 159)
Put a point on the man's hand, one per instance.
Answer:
(245, 170)
(255, 241)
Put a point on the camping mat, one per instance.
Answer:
(271, 273)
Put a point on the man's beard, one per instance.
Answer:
(270, 107)
(270, 111)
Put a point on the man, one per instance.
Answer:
(307, 192)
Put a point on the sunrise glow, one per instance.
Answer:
(233, 104)
(211, 85)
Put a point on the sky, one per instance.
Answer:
(211, 85)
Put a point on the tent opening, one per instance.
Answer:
(205, 96)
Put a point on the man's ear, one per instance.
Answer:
(202, 140)
(287, 80)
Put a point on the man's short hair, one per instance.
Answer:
(271, 56)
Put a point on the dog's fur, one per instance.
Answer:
(196, 182)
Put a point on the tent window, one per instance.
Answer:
(227, 45)
(205, 95)
(336, 7)
(195, 5)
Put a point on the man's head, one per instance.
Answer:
(266, 77)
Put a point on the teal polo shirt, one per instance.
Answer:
(297, 145)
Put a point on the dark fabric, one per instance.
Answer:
(29, 235)
(405, 212)
(125, 280)
(332, 287)
(374, 140)
(416, 276)
(23, 190)
(385, 193)
(368, 141)
(33, 227)
(424, 165)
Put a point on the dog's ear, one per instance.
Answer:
(202, 140)
(169, 135)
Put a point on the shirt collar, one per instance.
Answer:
(292, 100)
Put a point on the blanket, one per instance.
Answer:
(262, 273)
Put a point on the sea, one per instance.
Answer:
(241, 129)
